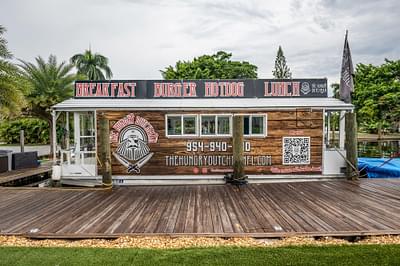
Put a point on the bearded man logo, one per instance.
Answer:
(133, 150)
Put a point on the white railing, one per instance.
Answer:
(82, 163)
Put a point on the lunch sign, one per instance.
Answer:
(232, 88)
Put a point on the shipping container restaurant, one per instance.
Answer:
(180, 131)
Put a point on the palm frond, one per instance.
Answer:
(50, 82)
(94, 66)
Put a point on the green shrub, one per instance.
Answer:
(372, 127)
(36, 131)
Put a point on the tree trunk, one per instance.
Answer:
(333, 127)
(351, 146)
(50, 122)
(379, 130)
(380, 148)
(105, 150)
(238, 164)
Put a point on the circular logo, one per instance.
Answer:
(133, 143)
(133, 134)
(305, 88)
(132, 131)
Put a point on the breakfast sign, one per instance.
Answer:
(234, 88)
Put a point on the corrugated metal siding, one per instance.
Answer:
(195, 104)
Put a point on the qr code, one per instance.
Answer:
(296, 150)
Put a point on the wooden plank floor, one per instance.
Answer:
(260, 210)
(15, 175)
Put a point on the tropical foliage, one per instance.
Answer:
(11, 85)
(377, 96)
(50, 83)
(36, 131)
(93, 66)
(281, 71)
(335, 90)
(216, 66)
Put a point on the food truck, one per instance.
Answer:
(180, 131)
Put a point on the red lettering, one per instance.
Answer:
(91, 88)
(99, 92)
(178, 89)
(240, 89)
(223, 89)
(192, 86)
(127, 89)
(85, 92)
(214, 89)
(285, 89)
(175, 89)
(266, 89)
(105, 89)
(296, 88)
(113, 88)
(207, 89)
(157, 90)
(78, 89)
(133, 89)
(170, 90)
(121, 90)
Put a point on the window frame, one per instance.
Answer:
(196, 134)
(198, 131)
(216, 135)
(265, 129)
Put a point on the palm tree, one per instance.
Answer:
(92, 65)
(4, 53)
(11, 97)
(49, 84)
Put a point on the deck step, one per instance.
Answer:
(189, 179)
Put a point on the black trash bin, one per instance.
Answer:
(5, 162)
(22, 160)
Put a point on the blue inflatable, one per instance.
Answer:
(379, 167)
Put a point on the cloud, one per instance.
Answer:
(235, 10)
(324, 22)
(140, 37)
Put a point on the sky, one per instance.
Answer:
(140, 37)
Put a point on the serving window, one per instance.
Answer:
(181, 125)
(189, 125)
(216, 125)
(254, 126)
(213, 125)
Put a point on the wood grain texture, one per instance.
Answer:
(280, 124)
(15, 177)
(364, 207)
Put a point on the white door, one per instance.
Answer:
(80, 160)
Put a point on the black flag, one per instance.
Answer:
(346, 76)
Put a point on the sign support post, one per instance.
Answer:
(238, 164)
(104, 150)
(351, 146)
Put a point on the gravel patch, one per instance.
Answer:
(189, 242)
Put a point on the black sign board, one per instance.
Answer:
(232, 88)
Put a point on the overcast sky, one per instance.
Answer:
(141, 37)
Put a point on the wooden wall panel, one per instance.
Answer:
(301, 123)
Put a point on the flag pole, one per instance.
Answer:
(351, 146)
(346, 87)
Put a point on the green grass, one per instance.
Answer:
(310, 255)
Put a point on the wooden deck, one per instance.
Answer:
(22, 176)
(336, 208)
